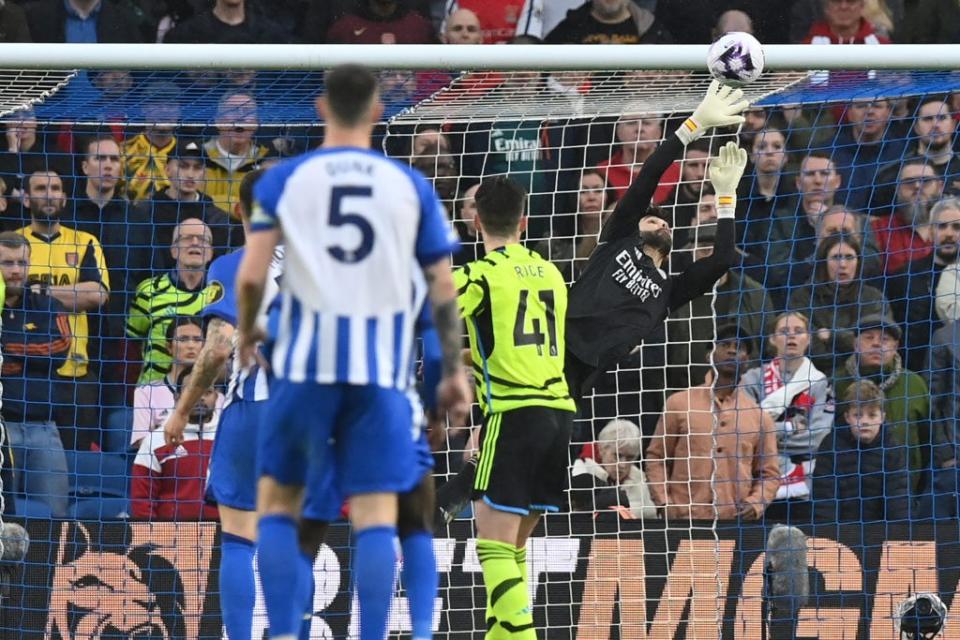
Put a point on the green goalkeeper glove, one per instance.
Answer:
(725, 173)
(721, 107)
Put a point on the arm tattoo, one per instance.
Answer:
(446, 317)
(210, 363)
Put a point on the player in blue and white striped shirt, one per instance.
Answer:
(355, 226)
(232, 476)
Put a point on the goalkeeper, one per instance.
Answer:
(624, 294)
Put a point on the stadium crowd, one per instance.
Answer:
(820, 380)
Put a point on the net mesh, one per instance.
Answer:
(845, 215)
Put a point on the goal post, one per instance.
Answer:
(847, 148)
(412, 56)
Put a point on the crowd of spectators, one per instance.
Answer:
(848, 291)
(477, 21)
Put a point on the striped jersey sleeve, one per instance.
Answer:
(357, 227)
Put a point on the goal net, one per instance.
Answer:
(846, 218)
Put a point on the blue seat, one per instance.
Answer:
(117, 429)
(94, 473)
(27, 508)
(108, 508)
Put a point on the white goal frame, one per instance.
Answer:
(514, 57)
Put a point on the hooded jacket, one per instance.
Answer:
(223, 181)
(170, 482)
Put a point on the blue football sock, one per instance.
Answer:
(374, 568)
(237, 585)
(421, 581)
(280, 573)
(308, 587)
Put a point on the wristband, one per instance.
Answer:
(726, 207)
(689, 131)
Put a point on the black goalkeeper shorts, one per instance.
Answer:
(581, 377)
(523, 460)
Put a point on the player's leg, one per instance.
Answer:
(527, 525)
(312, 535)
(281, 572)
(321, 505)
(419, 575)
(503, 498)
(299, 415)
(550, 481)
(232, 484)
(375, 459)
(237, 580)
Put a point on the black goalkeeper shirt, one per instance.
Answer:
(622, 296)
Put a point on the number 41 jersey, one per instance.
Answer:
(515, 306)
(355, 225)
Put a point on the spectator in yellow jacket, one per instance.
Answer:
(234, 152)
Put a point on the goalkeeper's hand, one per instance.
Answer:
(721, 107)
(725, 173)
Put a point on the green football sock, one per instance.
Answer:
(506, 592)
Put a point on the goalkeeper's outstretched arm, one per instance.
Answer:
(725, 173)
(721, 107)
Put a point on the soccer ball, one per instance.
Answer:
(735, 59)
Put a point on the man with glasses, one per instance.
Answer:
(186, 197)
(904, 233)
(181, 291)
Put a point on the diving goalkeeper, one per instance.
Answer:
(624, 294)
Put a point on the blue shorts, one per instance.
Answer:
(424, 456)
(365, 432)
(232, 477)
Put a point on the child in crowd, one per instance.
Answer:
(861, 474)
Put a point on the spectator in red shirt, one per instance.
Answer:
(381, 22)
(843, 23)
(904, 235)
(637, 137)
(169, 482)
(501, 20)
